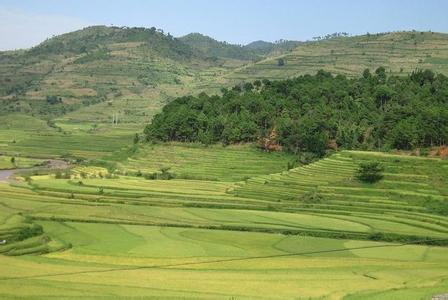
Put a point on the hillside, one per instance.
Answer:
(399, 52)
(315, 113)
(244, 184)
(252, 51)
(215, 49)
(101, 71)
(97, 64)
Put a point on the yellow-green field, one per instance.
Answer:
(27, 136)
(133, 220)
(248, 229)
(399, 52)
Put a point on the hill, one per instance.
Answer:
(315, 113)
(264, 48)
(128, 219)
(399, 52)
(97, 64)
(101, 71)
(215, 49)
(111, 81)
(252, 51)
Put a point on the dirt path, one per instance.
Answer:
(51, 164)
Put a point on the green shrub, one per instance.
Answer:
(370, 172)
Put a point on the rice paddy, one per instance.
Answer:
(243, 228)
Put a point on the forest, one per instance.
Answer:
(315, 113)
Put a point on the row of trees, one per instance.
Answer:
(313, 113)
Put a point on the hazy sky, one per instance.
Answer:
(25, 23)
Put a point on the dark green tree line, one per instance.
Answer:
(312, 113)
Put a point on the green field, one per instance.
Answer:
(216, 162)
(27, 136)
(399, 52)
(136, 220)
(247, 228)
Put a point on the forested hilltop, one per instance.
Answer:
(313, 113)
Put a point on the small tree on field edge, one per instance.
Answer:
(370, 172)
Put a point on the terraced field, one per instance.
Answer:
(310, 232)
(231, 163)
(399, 52)
(26, 136)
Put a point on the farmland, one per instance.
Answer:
(313, 231)
(130, 216)
(399, 52)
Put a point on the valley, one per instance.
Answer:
(186, 211)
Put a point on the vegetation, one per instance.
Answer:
(314, 113)
(118, 225)
(253, 51)
(399, 52)
(370, 172)
(196, 161)
(173, 220)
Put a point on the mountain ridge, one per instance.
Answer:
(89, 68)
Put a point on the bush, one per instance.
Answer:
(312, 197)
(54, 99)
(370, 172)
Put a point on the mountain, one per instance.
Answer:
(96, 64)
(264, 48)
(399, 52)
(93, 73)
(91, 39)
(213, 48)
(252, 51)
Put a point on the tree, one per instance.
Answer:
(406, 134)
(13, 160)
(136, 138)
(248, 87)
(53, 99)
(313, 113)
(280, 62)
(366, 74)
(370, 172)
(381, 74)
(383, 94)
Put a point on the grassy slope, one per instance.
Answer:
(134, 80)
(320, 199)
(142, 68)
(400, 53)
(231, 163)
(26, 136)
(129, 223)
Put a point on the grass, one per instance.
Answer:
(124, 236)
(399, 52)
(109, 234)
(215, 162)
(25, 136)
(97, 248)
(10, 162)
(135, 82)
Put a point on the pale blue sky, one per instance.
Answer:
(27, 22)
